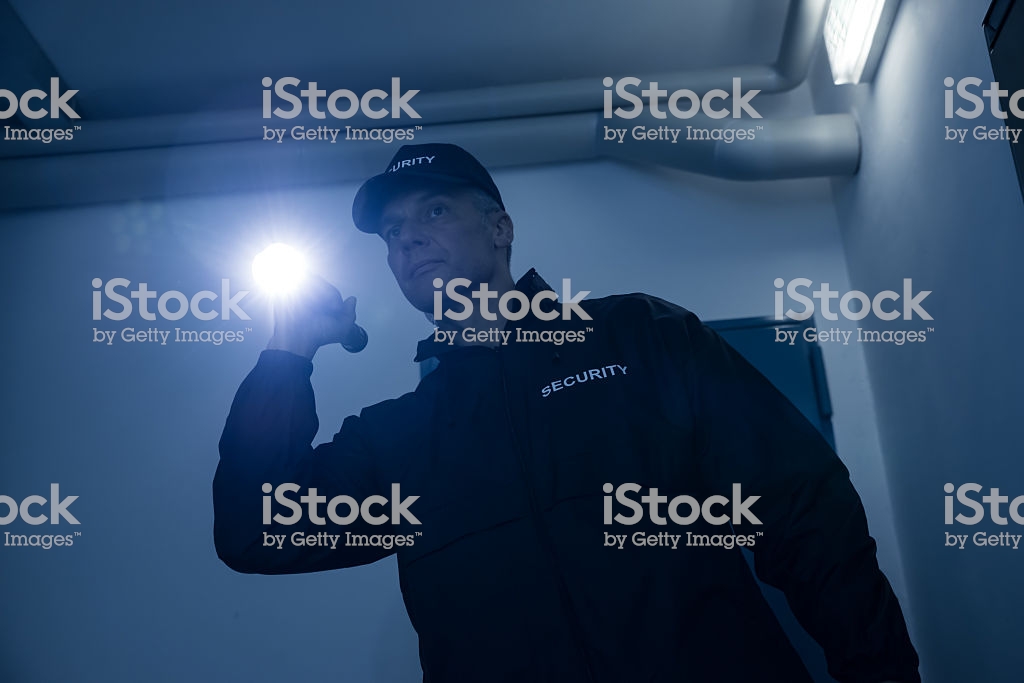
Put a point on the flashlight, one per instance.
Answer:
(280, 270)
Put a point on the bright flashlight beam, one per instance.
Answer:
(279, 269)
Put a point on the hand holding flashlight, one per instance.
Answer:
(317, 317)
(309, 312)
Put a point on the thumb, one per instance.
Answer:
(348, 307)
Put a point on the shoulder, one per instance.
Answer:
(393, 410)
(649, 323)
(636, 307)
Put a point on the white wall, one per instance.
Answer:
(949, 216)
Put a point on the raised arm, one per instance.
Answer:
(267, 440)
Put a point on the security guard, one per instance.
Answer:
(578, 508)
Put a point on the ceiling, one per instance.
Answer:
(134, 58)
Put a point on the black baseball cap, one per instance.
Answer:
(419, 165)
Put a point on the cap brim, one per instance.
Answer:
(378, 190)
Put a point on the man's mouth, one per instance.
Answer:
(423, 267)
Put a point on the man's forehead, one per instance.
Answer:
(413, 196)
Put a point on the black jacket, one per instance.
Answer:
(509, 578)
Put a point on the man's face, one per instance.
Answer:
(440, 233)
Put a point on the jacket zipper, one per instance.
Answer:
(542, 534)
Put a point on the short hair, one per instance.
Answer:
(485, 203)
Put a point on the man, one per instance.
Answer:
(511, 563)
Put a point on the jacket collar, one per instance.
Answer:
(529, 284)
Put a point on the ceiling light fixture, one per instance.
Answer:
(855, 35)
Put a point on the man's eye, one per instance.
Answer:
(437, 210)
(392, 233)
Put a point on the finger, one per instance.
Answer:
(323, 295)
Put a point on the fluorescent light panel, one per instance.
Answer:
(855, 33)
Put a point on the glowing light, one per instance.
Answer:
(279, 269)
(855, 34)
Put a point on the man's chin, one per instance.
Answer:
(419, 291)
(421, 296)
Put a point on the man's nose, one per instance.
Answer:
(412, 236)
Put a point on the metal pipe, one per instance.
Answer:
(784, 148)
(771, 149)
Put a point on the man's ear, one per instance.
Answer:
(504, 231)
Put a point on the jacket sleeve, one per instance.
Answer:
(267, 440)
(815, 545)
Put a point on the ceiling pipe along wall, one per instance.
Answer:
(784, 148)
(742, 149)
